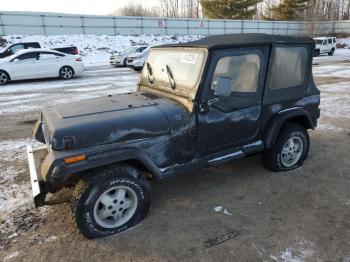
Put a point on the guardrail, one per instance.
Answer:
(37, 23)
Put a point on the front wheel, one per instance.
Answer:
(4, 78)
(66, 73)
(110, 201)
(290, 149)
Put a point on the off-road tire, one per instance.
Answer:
(272, 157)
(330, 53)
(4, 77)
(94, 184)
(66, 73)
(317, 53)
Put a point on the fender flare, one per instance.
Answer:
(277, 120)
(59, 174)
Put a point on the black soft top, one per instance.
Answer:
(218, 41)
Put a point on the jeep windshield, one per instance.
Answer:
(174, 70)
(319, 41)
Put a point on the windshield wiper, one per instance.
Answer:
(150, 73)
(171, 77)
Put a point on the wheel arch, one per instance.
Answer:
(62, 175)
(298, 115)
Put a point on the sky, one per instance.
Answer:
(91, 7)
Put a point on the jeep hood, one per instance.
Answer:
(106, 120)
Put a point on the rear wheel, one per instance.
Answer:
(330, 53)
(290, 149)
(66, 73)
(4, 77)
(110, 200)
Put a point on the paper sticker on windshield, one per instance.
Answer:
(189, 58)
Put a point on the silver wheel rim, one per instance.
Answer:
(3, 78)
(66, 73)
(291, 151)
(115, 207)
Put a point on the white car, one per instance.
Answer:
(39, 63)
(325, 45)
(119, 59)
(137, 60)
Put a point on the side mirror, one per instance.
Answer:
(15, 60)
(223, 86)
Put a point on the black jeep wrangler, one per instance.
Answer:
(198, 104)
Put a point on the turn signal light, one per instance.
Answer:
(74, 159)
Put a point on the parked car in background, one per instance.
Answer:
(325, 45)
(12, 49)
(137, 62)
(137, 59)
(39, 63)
(119, 58)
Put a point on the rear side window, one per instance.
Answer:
(32, 45)
(140, 49)
(48, 55)
(288, 67)
(334, 40)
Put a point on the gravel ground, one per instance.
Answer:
(302, 215)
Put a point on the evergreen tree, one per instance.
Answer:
(229, 9)
(289, 9)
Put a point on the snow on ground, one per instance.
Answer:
(25, 96)
(97, 49)
(15, 194)
(339, 55)
(302, 253)
(344, 42)
(337, 70)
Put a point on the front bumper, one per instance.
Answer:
(35, 158)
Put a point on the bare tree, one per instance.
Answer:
(170, 8)
(181, 8)
(136, 9)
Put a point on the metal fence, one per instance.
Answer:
(37, 23)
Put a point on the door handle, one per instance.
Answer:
(212, 101)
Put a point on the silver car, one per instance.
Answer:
(119, 58)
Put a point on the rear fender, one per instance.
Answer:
(298, 115)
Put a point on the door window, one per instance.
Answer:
(243, 70)
(329, 40)
(48, 56)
